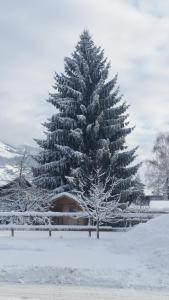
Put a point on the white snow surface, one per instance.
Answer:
(67, 292)
(159, 205)
(7, 151)
(137, 259)
(7, 173)
(8, 161)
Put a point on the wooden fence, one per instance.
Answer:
(18, 221)
(13, 218)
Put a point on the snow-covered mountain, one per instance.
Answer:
(7, 151)
(10, 158)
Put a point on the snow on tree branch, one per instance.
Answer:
(100, 201)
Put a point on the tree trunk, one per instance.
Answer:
(97, 229)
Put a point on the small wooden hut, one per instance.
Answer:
(66, 202)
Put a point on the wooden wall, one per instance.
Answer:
(67, 204)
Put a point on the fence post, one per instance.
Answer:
(12, 232)
(89, 224)
(130, 224)
(125, 225)
(12, 229)
(50, 231)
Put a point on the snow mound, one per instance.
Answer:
(153, 233)
(159, 205)
(150, 243)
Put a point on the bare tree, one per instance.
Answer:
(158, 167)
(24, 199)
(22, 169)
(100, 202)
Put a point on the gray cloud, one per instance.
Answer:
(36, 35)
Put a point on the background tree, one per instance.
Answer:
(158, 167)
(20, 195)
(139, 191)
(89, 127)
(23, 198)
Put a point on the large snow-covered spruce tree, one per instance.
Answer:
(90, 124)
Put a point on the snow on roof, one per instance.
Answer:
(69, 195)
(65, 194)
(161, 204)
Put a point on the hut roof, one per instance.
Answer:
(66, 195)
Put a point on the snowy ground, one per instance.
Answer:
(53, 292)
(138, 259)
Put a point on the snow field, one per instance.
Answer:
(52, 292)
(138, 259)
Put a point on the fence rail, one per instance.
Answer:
(52, 228)
(41, 214)
(13, 225)
(127, 213)
(46, 217)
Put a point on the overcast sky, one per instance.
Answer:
(36, 35)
